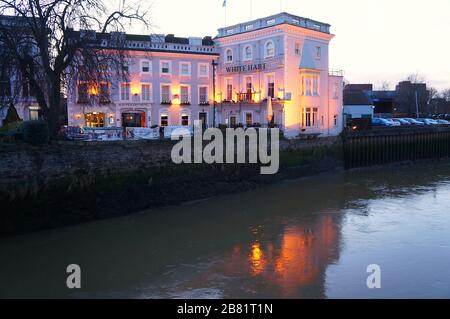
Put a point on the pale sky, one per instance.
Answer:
(376, 40)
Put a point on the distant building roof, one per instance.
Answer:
(148, 42)
(356, 98)
(358, 87)
(273, 20)
(378, 96)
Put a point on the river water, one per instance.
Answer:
(308, 238)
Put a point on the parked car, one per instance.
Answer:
(402, 121)
(393, 123)
(428, 121)
(413, 121)
(381, 122)
(443, 122)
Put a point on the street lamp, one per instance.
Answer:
(214, 65)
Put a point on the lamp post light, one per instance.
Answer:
(214, 65)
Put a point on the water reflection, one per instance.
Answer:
(299, 239)
(295, 260)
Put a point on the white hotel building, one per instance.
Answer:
(284, 58)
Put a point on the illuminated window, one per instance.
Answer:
(229, 54)
(229, 89)
(125, 91)
(146, 92)
(270, 49)
(271, 86)
(95, 119)
(248, 88)
(247, 53)
(34, 113)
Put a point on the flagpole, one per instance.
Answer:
(225, 5)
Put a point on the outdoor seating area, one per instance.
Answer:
(130, 133)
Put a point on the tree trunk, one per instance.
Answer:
(55, 110)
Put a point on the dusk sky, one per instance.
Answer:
(375, 41)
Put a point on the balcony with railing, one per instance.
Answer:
(336, 72)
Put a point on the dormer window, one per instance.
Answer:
(269, 49)
(247, 53)
(229, 55)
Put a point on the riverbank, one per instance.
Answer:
(69, 183)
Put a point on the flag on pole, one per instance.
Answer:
(224, 3)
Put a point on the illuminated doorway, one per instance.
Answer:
(133, 119)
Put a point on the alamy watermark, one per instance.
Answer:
(374, 279)
(73, 281)
(262, 146)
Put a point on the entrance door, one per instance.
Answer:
(248, 119)
(203, 116)
(232, 121)
(132, 119)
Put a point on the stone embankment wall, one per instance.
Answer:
(73, 182)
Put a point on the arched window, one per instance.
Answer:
(229, 54)
(270, 49)
(247, 53)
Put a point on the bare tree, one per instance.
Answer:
(446, 94)
(432, 105)
(12, 84)
(432, 94)
(416, 78)
(385, 86)
(49, 49)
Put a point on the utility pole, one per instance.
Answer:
(214, 65)
(417, 105)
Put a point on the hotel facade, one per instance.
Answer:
(271, 69)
